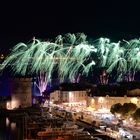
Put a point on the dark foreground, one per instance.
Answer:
(23, 124)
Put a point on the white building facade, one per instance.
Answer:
(71, 97)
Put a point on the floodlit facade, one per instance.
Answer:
(106, 101)
(102, 101)
(21, 95)
(68, 96)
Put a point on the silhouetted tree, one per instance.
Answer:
(115, 108)
(127, 109)
(136, 115)
(124, 110)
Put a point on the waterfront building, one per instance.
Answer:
(20, 93)
(104, 96)
(72, 95)
(100, 97)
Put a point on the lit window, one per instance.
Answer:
(101, 99)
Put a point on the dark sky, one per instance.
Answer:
(20, 21)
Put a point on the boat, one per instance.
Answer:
(60, 138)
(54, 132)
(71, 126)
(68, 128)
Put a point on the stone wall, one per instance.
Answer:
(21, 95)
(106, 101)
(68, 96)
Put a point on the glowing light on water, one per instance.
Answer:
(7, 122)
(13, 126)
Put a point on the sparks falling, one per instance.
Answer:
(71, 54)
(67, 55)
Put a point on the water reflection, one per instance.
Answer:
(10, 130)
(7, 122)
(13, 126)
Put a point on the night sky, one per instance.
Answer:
(20, 21)
(45, 19)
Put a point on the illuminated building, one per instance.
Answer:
(71, 94)
(105, 96)
(19, 95)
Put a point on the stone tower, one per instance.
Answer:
(21, 95)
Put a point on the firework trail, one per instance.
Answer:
(66, 55)
(71, 54)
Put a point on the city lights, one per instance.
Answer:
(134, 100)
